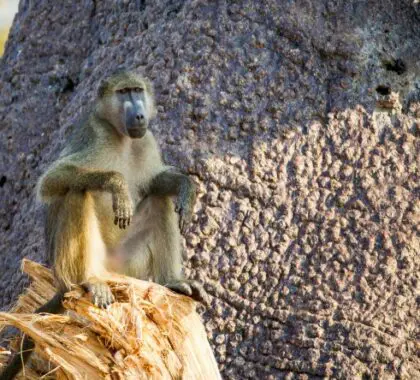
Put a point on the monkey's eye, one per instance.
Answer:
(122, 91)
(138, 89)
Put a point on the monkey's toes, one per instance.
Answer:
(181, 287)
(198, 293)
(101, 294)
(191, 289)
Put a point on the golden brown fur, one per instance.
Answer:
(79, 240)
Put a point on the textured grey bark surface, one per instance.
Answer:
(307, 226)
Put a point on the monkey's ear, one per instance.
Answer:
(149, 87)
(151, 92)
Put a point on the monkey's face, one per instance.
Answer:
(133, 111)
(126, 101)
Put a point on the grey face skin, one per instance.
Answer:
(135, 118)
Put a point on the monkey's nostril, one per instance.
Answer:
(139, 117)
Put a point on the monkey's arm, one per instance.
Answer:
(67, 177)
(172, 183)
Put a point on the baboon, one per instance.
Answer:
(108, 199)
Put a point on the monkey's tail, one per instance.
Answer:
(53, 306)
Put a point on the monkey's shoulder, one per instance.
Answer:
(81, 134)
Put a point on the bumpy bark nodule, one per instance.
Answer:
(298, 120)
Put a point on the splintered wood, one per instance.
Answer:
(149, 333)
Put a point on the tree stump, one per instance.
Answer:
(149, 333)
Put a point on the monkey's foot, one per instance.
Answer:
(100, 292)
(192, 289)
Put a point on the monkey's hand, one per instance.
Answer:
(123, 208)
(184, 207)
(100, 292)
(172, 183)
(189, 288)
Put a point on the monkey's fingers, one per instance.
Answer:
(127, 216)
(121, 219)
(128, 212)
(181, 225)
(116, 203)
(117, 217)
(184, 221)
(122, 223)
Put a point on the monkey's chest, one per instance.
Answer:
(138, 168)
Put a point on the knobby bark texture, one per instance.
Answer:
(300, 123)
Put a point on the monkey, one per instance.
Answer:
(108, 198)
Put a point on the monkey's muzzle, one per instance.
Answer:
(135, 123)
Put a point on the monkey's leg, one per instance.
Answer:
(155, 224)
(165, 243)
(154, 247)
(135, 247)
(134, 250)
(153, 243)
(74, 240)
(173, 183)
(79, 251)
(166, 251)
